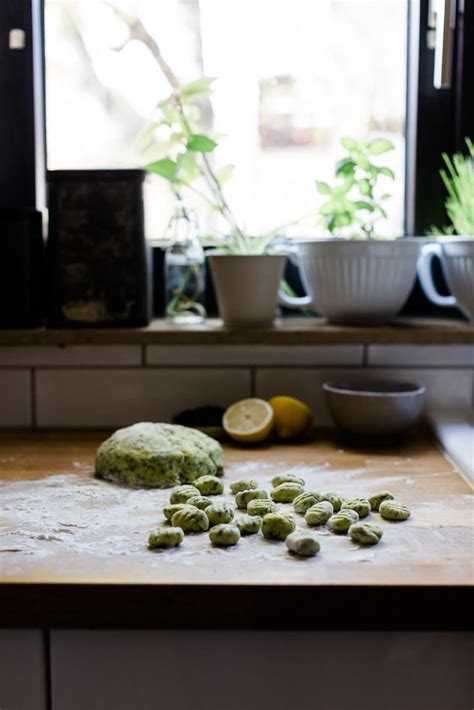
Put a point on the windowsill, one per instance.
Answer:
(289, 331)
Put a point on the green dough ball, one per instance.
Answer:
(286, 492)
(219, 513)
(378, 498)
(243, 498)
(209, 485)
(341, 522)
(302, 543)
(224, 535)
(165, 537)
(277, 526)
(319, 513)
(305, 500)
(287, 478)
(190, 520)
(360, 505)
(242, 485)
(335, 499)
(170, 510)
(182, 494)
(393, 510)
(365, 533)
(259, 506)
(249, 524)
(200, 502)
(150, 455)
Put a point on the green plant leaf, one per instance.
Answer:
(201, 144)
(363, 205)
(188, 169)
(323, 188)
(361, 160)
(350, 144)
(377, 146)
(166, 168)
(225, 173)
(383, 170)
(345, 167)
(385, 196)
(330, 207)
(195, 89)
(365, 187)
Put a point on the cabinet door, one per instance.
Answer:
(22, 670)
(159, 670)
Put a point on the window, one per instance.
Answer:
(294, 77)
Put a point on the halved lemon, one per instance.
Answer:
(291, 416)
(249, 420)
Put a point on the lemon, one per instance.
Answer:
(249, 420)
(291, 416)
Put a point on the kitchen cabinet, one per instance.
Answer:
(23, 670)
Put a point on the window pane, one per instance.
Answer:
(294, 77)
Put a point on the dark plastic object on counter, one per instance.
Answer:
(98, 260)
(200, 417)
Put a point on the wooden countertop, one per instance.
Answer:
(73, 550)
(286, 331)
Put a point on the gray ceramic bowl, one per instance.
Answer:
(374, 408)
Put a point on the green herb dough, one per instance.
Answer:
(287, 478)
(181, 494)
(149, 455)
(393, 510)
(170, 510)
(242, 485)
(190, 520)
(277, 526)
(286, 492)
(335, 499)
(249, 524)
(224, 535)
(200, 502)
(243, 498)
(165, 538)
(302, 543)
(219, 513)
(378, 498)
(360, 505)
(319, 513)
(259, 506)
(305, 500)
(209, 485)
(365, 533)
(341, 522)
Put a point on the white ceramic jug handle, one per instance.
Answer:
(294, 302)
(425, 274)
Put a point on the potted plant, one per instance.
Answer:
(455, 244)
(246, 269)
(352, 275)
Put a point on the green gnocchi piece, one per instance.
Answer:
(242, 485)
(393, 510)
(302, 543)
(259, 506)
(243, 498)
(209, 485)
(286, 492)
(165, 538)
(190, 520)
(342, 521)
(170, 510)
(378, 498)
(249, 524)
(181, 494)
(319, 513)
(287, 478)
(219, 513)
(277, 526)
(335, 499)
(200, 502)
(365, 533)
(224, 535)
(360, 505)
(305, 500)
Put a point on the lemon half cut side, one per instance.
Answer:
(248, 420)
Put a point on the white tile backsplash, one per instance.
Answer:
(443, 386)
(70, 355)
(94, 398)
(253, 355)
(15, 402)
(414, 355)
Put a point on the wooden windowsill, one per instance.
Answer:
(288, 331)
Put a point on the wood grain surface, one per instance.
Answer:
(428, 557)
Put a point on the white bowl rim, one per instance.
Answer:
(348, 388)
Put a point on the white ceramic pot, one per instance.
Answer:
(247, 288)
(457, 261)
(355, 282)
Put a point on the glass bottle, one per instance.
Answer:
(184, 269)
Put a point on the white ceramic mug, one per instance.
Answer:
(457, 262)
